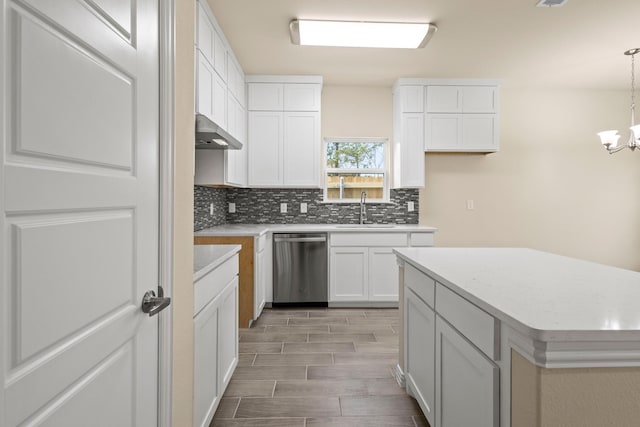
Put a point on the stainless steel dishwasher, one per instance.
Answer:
(300, 269)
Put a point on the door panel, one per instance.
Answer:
(59, 255)
(383, 275)
(79, 212)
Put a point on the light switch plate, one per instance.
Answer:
(411, 206)
(303, 207)
(232, 208)
(211, 209)
(283, 208)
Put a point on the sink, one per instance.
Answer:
(365, 225)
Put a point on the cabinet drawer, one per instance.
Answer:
(421, 284)
(210, 286)
(369, 239)
(421, 239)
(476, 325)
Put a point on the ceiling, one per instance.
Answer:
(579, 45)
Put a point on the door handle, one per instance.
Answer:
(153, 304)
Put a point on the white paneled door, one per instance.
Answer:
(79, 221)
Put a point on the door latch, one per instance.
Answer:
(153, 304)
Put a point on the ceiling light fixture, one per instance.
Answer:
(609, 138)
(360, 34)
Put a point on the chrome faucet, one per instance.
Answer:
(363, 208)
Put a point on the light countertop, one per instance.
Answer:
(259, 229)
(208, 257)
(545, 296)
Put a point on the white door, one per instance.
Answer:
(79, 212)
(265, 148)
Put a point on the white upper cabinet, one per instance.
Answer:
(205, 34)
(265, 96)
(411, 99)
(443, 99)
(301, 153)
(219, 56)
(301, 97)
(221, 96)
(284, 131)
(204, 83)
(460, 115)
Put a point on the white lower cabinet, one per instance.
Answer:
(349, 274)
(206, 388)
(228, 333)
(383, 275)
(452, 374)
(420, 328)
(261, 274)
(363, 267)
(215, 343)
(467, 382)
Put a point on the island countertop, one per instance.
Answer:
(547, 297)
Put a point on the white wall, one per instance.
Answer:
(551, 187)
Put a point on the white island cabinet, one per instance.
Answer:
(517, 337)
(215, 325)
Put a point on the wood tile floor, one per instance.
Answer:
(319, 368)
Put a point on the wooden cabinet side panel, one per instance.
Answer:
(245, 292)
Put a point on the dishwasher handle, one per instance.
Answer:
(300, 239)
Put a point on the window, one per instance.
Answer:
(354, 165)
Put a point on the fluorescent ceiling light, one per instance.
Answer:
(360, 34)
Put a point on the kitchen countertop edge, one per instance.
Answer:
(208, 257)
(260, 229)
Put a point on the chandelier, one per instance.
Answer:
(609, 138)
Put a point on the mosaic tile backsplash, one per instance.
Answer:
(262, 206)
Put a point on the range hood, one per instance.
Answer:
(211, 136)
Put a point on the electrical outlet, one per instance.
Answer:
(283, 208)
(411, 207)
(303, 207)
(470, 205)
(211, 209)
(232, 208)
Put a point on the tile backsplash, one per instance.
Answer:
(262, 206)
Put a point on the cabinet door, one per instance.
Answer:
(442, 132)
(479, 132)
(301, 97)
(419, 352)
(205, 370)
(219, 56)
(383, 275)
(232, 113)
(301, 149)
(411, 99)
(479, 99)
(205, 33)
(265, 148)
(349, 274)
(265, 96)
(219, 113)
(410, 152)
(228, 333)
(204, 87)
(443, 99)
(466, 382)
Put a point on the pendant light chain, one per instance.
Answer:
(633, 88)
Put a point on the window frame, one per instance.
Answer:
(386, 171)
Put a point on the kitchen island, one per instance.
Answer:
(517, 337)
